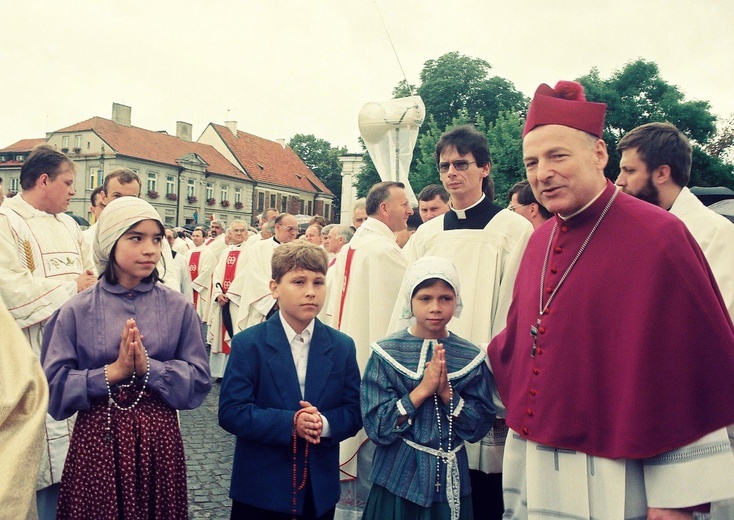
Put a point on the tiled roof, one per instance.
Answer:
(153, 146)
(269, 162)
(24, 145)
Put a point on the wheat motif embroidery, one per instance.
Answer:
(28, 252)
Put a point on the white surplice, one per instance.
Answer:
(202, 283)
(487, 261)
(377, 269)
(215, 335)
(251, 289)
(41, 256)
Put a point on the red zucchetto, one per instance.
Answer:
(565, 105)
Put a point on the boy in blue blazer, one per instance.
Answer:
(290, 394)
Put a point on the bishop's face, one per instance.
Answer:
(565, 167)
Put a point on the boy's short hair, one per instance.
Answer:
(298, 255)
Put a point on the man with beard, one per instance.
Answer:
(656, 167)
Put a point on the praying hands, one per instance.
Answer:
(308, 423)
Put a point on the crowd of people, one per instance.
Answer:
(569, 355)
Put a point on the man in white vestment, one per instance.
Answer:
(23, 405)
(366, 279)
(485, 243)
(339, 236)
(201, 264)
(359, 213)
(97, 201)
(231, 263)
(177, 271)
(43, 263)
(655, 167)
(268, 215)
(251, 288)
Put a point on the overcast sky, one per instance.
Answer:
(280, 67)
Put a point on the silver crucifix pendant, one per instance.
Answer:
(534, 334)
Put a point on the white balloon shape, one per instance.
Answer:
(390, 131)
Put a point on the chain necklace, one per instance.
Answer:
(440, 433)
(534, 329)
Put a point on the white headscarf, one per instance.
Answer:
(119, 216)
(421, 270)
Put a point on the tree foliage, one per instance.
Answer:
(459, 89)
(635, 95)
(323, 160)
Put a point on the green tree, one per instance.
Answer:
(455, 84)
(505, 144)
(635, 95)
(368, 175)
(323, 160)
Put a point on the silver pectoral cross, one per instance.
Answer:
(534, 334)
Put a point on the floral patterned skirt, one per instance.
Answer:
(135, 470)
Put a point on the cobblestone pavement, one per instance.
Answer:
(209, 452)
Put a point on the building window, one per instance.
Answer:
(260, 201)
(152, 181)
(191, 188)
(283, 204)
(14, 182)
(78, 141)
(326, 212)
(3, 158)
(238, 195)
(170, 184)
(272, 200)
(310, 207)
(95, 177)
(225, 192)
(20, 158)
(209, 190)
(65, 143)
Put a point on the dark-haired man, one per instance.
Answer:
(485, 242)
(43, 263)
(433, 200)
(523, 202)
(656, 167)
(616, 364)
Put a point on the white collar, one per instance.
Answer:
(290, 334)
(461, 213)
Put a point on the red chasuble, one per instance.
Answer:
(194, 272)
(230, 269)
(635, 355)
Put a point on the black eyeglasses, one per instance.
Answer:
(290, 229)
(459, 166)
